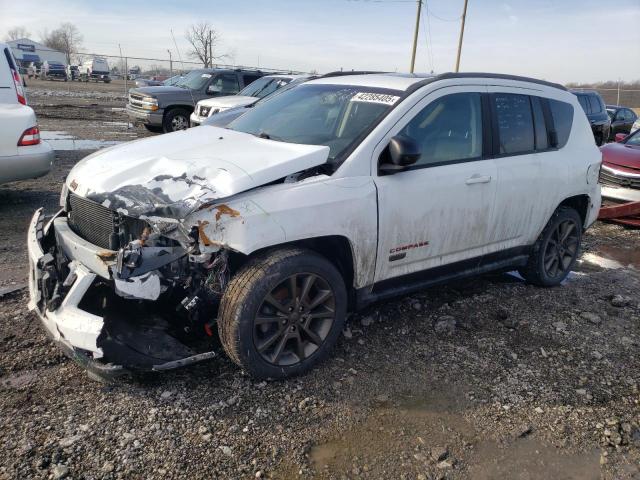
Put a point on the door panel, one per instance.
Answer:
(440, 210)
(520, 209)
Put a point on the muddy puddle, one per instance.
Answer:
(64, 141)
(429, 434)
(610, 257)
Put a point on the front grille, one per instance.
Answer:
(100, 226)
(135, 100)
(92, 221)
(608, 178)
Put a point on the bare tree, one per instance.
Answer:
(66, 39)
(16, 33)
(204, 40)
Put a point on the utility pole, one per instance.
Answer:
(210, 50)
(170, 64)
(126, 73)
(464, 16)
(618, 98)
(415, 37)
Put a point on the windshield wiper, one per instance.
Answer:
(269, 137)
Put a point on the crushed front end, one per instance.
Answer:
(121, 294)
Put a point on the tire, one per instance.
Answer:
(175, 120)
(153, 128)
(558, 246)
(246, 324)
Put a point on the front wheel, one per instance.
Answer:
(175, 120)
(556, 250)
(282, 313)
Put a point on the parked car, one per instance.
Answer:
(622, 120)
(148, 82)
(620, 173)
(247, 96)
(22, 154)
(636, 125)
(334, 194)
(593, 106)
(73, 72)
(167, 108)
(96, 69)
(53, 71)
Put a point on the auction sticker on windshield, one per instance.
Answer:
(375, 98)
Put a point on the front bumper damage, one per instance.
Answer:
(110, 323)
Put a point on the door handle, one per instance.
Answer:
(478, 179)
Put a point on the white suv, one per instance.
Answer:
(22, 154)
(337, 193)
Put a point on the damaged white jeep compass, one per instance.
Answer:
(337, 193)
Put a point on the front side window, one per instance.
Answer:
(448, 129)
(515, 123)
(226, 84)
(248, 78)
(337, 116)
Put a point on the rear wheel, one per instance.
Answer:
(556, 250)
(282, 313)
(176, 120)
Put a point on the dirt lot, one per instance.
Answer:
(484, 379)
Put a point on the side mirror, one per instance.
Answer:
(213, 89)
(401, 152)
(620, 137)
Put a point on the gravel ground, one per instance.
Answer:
(484, 379)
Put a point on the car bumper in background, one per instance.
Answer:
(147, 118)
(30, 162)
(196, 120)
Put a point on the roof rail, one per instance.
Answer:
(341, 73)
(498, 76)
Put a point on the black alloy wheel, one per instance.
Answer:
(294, 319)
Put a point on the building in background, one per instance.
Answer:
(27, 51)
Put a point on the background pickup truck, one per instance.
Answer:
(167, 108)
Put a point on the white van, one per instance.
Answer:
(22, 153)
(96, 69)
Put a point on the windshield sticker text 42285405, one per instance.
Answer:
(375, 98)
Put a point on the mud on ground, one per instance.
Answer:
(484, 379)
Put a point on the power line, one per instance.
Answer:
(428, 39)
(457, 19)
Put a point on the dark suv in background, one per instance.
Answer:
(593, 106)
(622, 119)
(167, 108)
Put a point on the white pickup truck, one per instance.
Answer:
(331, 195)
(22, 154)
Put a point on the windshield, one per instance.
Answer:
(336, 116)
(194, 80)
(263, 87)
(633, 139)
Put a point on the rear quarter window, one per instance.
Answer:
(562, 114)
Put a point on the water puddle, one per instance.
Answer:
(609, 257)
(403, 434)
(527, 459)
(64, 141)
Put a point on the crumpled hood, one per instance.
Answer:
(172, 175)
(228, 102)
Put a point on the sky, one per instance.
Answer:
(557, 40)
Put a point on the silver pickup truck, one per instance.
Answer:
(167, 108)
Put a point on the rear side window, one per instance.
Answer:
(596, 104)
(562, 114)
(515, 123)
(248, 78)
